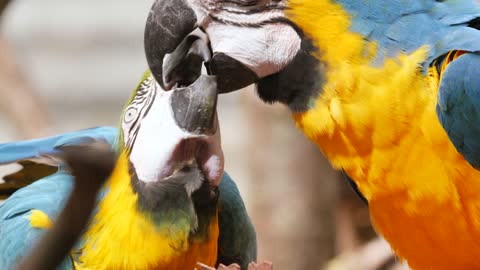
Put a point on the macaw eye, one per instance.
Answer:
(130, 115)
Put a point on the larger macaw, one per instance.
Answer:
(167, 204)
(388, 89)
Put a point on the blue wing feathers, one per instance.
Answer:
(405, 25)
(452, 12)
(48, 195)
(42, 195)
(458, 107)
(14, 151)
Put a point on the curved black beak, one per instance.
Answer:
(168, 23)
(195, 106)
(176, 48)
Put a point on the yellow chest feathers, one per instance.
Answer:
(375, 121)
(121, 237)
(379, 124)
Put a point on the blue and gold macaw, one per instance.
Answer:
(167, 203)
(388, 89)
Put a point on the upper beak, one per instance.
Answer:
(176, 48)
(168, 23)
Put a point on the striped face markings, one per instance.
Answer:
(247, 13)
(243, 6)
(252, 32)
(251, 38)
(137, 109)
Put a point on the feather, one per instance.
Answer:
(37, 157)
(376, 119)
(438, 24)
(234, 222)
(458, 106)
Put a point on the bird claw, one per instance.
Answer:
(261, 266)
(251, 266)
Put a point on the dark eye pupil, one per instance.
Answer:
(130, 114)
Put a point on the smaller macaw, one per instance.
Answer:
(167, 205)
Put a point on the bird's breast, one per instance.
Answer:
(121, 236)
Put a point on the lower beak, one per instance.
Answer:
(194, 107)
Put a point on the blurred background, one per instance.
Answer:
(68, 65)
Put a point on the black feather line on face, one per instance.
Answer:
(145, 95)
(275, 20)
(253, 10)
(299, 84)
(248, 6)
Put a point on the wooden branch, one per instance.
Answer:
(90, 166)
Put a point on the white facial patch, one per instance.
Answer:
(264, 50)
(263, 46)
(158, 146)
(156, 139)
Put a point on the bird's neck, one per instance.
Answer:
(122, 237)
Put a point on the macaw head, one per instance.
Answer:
(241, 41)
(172, 142)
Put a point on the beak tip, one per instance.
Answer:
(167, 85)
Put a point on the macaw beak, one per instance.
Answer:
(238, 44)
(176, 48)
(168, 23)
(194, 106)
